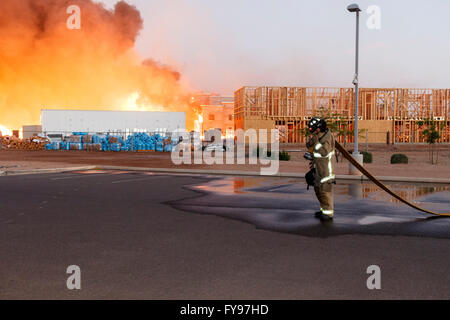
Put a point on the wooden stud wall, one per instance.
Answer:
(291, 107)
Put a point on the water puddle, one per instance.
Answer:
(287, 186)
(285, 205)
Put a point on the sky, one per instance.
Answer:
(222, 45)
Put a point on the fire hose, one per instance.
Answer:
(352, 160)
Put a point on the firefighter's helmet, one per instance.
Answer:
(316, 123)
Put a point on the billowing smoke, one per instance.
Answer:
(44, 64)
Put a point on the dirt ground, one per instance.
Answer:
(419, 164)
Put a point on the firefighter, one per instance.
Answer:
(321, 146)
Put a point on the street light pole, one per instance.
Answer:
(358, 157)
(355, 8)
(355, 82)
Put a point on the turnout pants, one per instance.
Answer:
(324, 193)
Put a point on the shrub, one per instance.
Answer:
(399, 158)
(256, 152)
(259, 153)
(367, 157)
(284, 156)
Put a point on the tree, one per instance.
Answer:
(431, 135)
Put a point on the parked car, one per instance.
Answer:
(214, 147)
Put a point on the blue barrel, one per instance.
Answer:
(160, 146)
(55, 145)
(115, 147)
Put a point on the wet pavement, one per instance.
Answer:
(285, 205)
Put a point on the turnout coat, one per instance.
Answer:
(321, 145)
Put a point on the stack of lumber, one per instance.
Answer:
(14, 143)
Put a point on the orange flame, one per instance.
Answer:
(5, 131)
(44, 65)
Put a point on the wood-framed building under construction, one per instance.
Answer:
(388, 115)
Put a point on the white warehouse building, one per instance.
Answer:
(92, 121)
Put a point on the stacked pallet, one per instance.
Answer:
(113, 139)
(93, 147)
(87, 138)
(75, 146)
(75, 139)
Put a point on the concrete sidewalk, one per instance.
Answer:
(221, 172)
(45, 170)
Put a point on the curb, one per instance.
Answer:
(190, 171)
(396, 179)
(222, 173)
(280, 174)
(49, 170)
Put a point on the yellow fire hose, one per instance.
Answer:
(381, 185)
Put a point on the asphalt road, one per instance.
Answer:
(149, 236)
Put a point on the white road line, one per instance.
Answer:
(80, 176)
(131, 180)
(38, 176)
